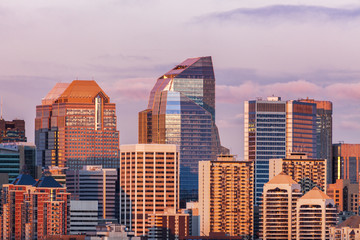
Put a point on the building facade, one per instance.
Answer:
(19, 157)
(169, 225)
(34, 209)
(316, 213)
(149, 182)
(278, 210)
(324, 134)
(345, 195)
(95, 183)
(226, 196)
(181, 111)
(75, 126)
(12, 131)
(349, 229)
(308, 172)
(83, 217)
(275, 128)
(346, 159)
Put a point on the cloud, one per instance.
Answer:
(298, 13)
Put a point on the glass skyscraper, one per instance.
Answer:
(275, 128)
(181, 110)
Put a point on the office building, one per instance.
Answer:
(75, 126)
(316, 213)
(19, 157)
(226, 196)
(83, 217)
(169, 225)
(181, 111)
(323, 133)
(34, 209)
(349, 229)
(12, 131)
(346, 158)
(192, 208)
(308, 172)
(345, 195)
(95, 183)
(149, 183)
(275, 128)
(279, 208)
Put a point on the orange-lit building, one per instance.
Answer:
(34, 209)
(149, 182)
(76, 125)
(346, 158)
(345, 195)
(226, 196)
(12, 131)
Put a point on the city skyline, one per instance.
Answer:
(286, 50)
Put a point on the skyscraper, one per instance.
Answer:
(323, 133)
(275, 128)
(181, 111)
(149, 182)
(226, 196)
(76, 125)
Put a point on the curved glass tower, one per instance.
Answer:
(181, 110)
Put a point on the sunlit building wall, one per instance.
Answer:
(76, 125)
(346, 159)
(149, 183)
(226, 196)
(345, 195)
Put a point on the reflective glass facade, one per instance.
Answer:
(181, 111)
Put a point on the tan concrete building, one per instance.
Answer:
(279, 208)
(149, 182)
(306, 171)
(169, 225)
(226, 196)
(345, 195)
(349, 229)
(316, 213)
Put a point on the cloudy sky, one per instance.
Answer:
(292, 49)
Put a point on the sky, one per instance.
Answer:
(292, 49)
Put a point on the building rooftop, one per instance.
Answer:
(315, 193)
(76, 91)
(24, 179)
(352, 222)
(47, 182)
(282, 178)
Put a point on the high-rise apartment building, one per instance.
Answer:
(169, 225)
(279, 208)
(76, 125)
(349, 229)
(226, 196)
(275, 128)
(345, 195)
(346, 160)
(308, 172)
(323, 133)
(34, 209)
(149, 183)
(96, 184)
(181, 111)
(316, 213)
(12, 131)
(18, 157)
